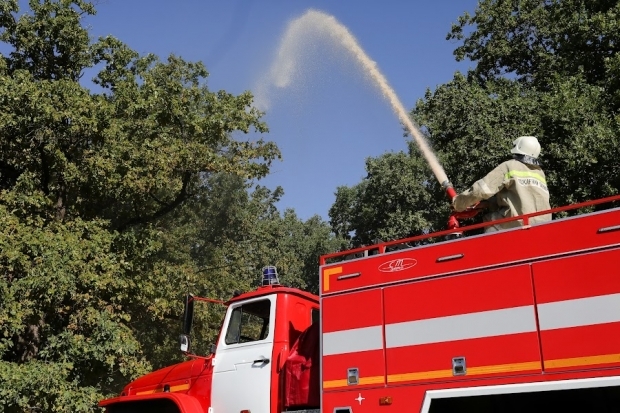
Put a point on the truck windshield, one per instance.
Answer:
(249, 322)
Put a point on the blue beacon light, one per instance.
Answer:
(270, 276)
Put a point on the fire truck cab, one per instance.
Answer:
(245, 372)
(259, 329)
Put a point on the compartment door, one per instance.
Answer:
(352, 340)
(487, 319)
(578, 301)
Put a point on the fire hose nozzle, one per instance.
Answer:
(447, 185)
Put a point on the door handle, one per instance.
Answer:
(262, 361)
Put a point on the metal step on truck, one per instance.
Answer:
(526, 319)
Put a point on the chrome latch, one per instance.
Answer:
(353, 376)
(459, 367)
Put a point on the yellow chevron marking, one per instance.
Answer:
(481, 370)
(372, 380)
(327, 273)
(471, 371)
(435, 374)
(330, 384)
(582, 361)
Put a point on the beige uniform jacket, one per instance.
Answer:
(519, 189)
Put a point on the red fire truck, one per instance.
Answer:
(526, 319)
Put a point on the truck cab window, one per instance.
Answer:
(249, 322)
(316, 315)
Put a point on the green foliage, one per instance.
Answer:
(393, 201)
(63, 331)
(538, 40)
(43, 386)
(117, 200)
(241, 231)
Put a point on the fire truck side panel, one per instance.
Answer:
(527, 306)
(352, 338)
(470, 253)
(201, 389)
(578, 300)
(488, 318)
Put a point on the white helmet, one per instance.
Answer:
(527, 145)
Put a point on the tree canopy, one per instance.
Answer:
(118, 195)
(381, 206)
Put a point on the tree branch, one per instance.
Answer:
(181, 197)
(44, 172)
(160, 202)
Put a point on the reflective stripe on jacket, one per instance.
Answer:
(518, 188)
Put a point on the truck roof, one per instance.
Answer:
(270, 289)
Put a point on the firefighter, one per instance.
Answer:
(516, 187)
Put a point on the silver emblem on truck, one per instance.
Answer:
(399, 264)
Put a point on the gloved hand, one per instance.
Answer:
(459, 206)
(455, 203)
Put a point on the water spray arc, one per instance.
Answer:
(314, 20)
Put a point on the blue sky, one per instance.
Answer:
(330, 119)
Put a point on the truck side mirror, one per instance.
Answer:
(184, 343)
(188, 314)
